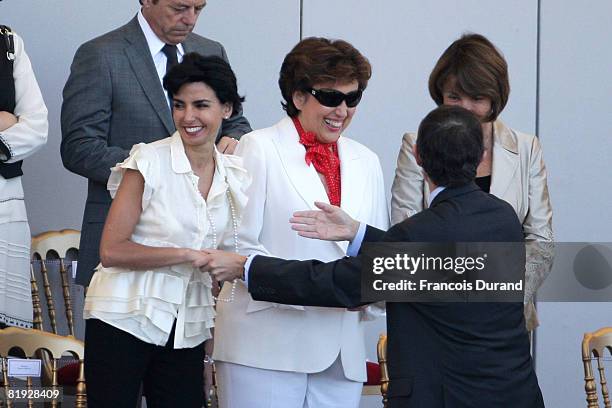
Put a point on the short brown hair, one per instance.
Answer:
(479, 69)
(315, 60)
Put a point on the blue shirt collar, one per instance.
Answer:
(434, 193)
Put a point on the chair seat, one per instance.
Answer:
(67, 375)
(374, 374)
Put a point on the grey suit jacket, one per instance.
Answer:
(112, 100)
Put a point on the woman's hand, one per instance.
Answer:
(222, 266)
(329, 224)
(197, 258)
(7, 119)
(227, 145)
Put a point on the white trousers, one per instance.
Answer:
(248, 387)
(15, 287)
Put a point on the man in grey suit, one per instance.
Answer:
(114, 99)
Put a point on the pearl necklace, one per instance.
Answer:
(214, 240)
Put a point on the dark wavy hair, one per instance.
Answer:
(213, 71)
(315, 60)
(450, 146)
(479, 69)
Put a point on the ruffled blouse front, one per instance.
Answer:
(145, 303)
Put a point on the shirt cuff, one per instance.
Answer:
(355, 244)
(247, 265)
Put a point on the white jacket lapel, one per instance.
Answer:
(353, 174)
(303, 177)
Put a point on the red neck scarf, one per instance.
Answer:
(325, 159)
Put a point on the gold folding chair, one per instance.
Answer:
(593, 347)
(32, 342)
(381, 350)
(49, 247)
(380, 389)
(49, 251)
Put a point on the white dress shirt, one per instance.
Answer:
(155, 48)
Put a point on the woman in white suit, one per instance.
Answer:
(270, 355)
(473, 74)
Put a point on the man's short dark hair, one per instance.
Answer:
(213, 71)
(450, 146)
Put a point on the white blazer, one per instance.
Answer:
(296, 338)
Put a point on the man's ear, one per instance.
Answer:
(415, 151)
(299, 99)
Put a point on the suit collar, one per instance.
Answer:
(140, 59)
(305, 178)
(505, 158)
(153, 41)
(189, 45)
(505, 137)
(292, 156)
(450, 192)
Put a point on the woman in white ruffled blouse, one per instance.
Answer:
(149, 309)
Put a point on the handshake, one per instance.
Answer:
(329, 224)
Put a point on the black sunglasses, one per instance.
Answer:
(332, 98)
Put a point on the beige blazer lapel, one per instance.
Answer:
(303, 177)
(505, 163)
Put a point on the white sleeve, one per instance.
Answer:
(30, 132)
(254, 161)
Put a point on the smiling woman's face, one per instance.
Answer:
(198, 113)
(327, 123)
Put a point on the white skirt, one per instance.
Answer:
(15, 287)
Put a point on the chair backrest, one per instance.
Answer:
(381, 350)
(32, 342)
(593, 347)
(51, 248)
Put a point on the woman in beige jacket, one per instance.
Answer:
(473, 74)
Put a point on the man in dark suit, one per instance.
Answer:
(439, 354)
(114, 99)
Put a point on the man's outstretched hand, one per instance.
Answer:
(329, 224)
